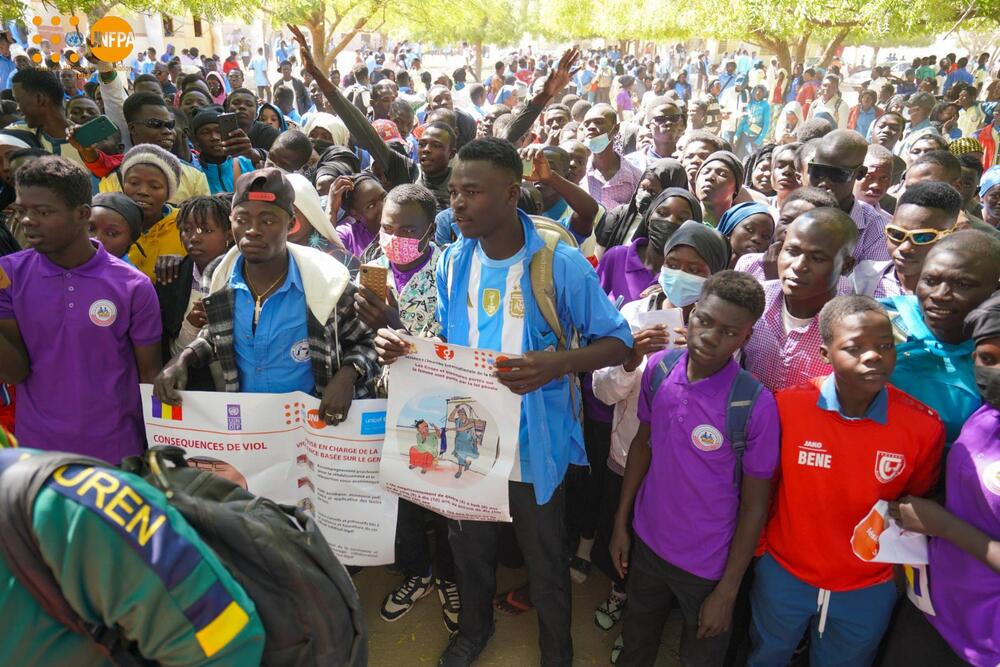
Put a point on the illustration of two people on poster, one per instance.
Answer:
(432, 443)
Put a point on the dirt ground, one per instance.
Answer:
(419, 637)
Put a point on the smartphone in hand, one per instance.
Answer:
(374, 278)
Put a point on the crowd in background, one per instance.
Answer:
(197, 223)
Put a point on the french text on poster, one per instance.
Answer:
(278, 446)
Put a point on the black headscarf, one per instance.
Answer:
(762, 154)
(983, 322)
(683, 193)
(731, 161)
(712, 246)
(613, 229)
(334, 161)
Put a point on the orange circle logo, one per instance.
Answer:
(314, 419)
(111, 39)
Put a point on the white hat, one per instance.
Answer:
(308, 204)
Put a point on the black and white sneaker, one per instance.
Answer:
(401, 600)
(451, 604)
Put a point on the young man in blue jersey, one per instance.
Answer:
(485, 300)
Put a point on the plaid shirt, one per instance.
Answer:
(344, 339)
(871, 224)
(618, 190)
(780, 359)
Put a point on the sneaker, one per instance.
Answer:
(616, 650)
(401, 600)
(610, 611)
(462, 651)
(450, 603)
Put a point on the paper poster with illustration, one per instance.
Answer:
(879, 539)
(451, 431)
(276, 446)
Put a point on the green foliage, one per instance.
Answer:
(450, 22)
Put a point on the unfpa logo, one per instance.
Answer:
(111, 39)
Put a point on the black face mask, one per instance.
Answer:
(988, 381)
(321, 144)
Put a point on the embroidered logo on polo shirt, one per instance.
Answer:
(888, 466)
(491, 301)
(706, 437)
(515, 305)
(300, 351)
(103, 313)
(991, 477)
(4, 279)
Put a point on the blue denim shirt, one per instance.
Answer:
(550, 428)
(274, 359)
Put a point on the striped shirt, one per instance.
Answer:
(496, 316)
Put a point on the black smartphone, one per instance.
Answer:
(227, 124)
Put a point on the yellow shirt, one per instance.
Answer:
(163, 238)
(193, 183)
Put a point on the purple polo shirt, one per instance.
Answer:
(622, 273)
(354, 235)
(688, 503)
(80, 328)
(965, 593)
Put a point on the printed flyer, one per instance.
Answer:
(276, 445)
(451, 431)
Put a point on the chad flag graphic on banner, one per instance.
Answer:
(163, 411)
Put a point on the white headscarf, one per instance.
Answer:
(331, 124)
(792, 107)
(308, 203)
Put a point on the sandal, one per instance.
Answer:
(579, 569)
(616, 650)
(509, 605)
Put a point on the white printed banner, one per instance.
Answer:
(276, 445)
(451, 431)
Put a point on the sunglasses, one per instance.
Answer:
(819, 172)
(663, 120)
(156, 123)
(917, 237)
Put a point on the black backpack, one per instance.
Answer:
(305, 598)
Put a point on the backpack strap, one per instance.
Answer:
(22, 475)
(746, 388)
(662, 370)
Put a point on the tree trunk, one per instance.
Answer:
(875, 51)
(800, 49)
(316, 24)
(831, 49)
(479, 59)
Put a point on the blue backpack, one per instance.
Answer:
(743, 395)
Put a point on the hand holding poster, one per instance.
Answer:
(451, 431)
(276, 445)
(878, 538)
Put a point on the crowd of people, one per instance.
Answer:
(836, 269)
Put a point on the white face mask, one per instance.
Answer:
(599, 143)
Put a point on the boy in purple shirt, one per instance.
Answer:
(695, 529)
(79, 329)
(963, 573)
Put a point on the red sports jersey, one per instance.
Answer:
(833, 470)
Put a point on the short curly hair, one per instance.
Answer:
(738, 288)
(67, 180)
(841, 307)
